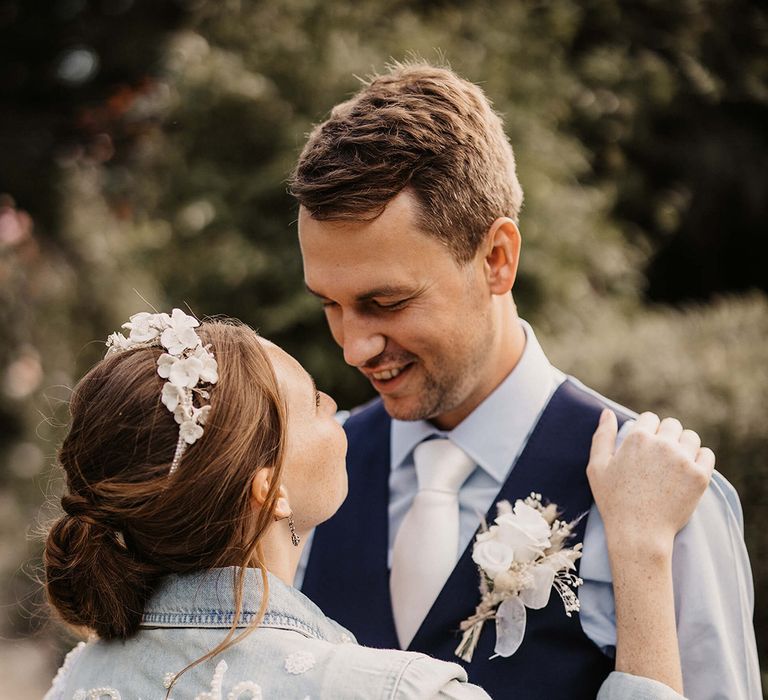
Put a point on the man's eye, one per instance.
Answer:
(329, 304)
(394, 306)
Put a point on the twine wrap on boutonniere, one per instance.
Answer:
(521, 558)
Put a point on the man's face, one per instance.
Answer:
(418, 324)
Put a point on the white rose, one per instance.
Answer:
(525, 531)
(492, 556)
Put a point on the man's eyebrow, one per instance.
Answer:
(387, 290)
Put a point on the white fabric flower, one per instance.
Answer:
(144, 327)
(209, 371)
(525, 530)
(493, 556)
(200, 415)
(185, 365)
(164, 364)
(185, 372)
(117, 342)
(183, 411)
(180, 335)
(172, 396)
(190, 431)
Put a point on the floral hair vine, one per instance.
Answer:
(186, 364)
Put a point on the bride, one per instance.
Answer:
(198, 459)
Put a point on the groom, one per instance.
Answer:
(409, 205)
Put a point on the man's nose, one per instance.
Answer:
(361, 341)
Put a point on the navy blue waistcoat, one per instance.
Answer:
(348, 577)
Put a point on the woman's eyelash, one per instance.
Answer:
(317, 398)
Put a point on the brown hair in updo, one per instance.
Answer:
(127, 522)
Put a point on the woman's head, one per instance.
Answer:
(127, 521)
(314, 474)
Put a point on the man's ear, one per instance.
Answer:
(260, 486)
(502, 255)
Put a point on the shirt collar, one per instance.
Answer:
(496, 431)
(206, 599)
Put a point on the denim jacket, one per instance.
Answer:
(296, 652)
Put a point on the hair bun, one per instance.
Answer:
(80, 508)
(91, 578)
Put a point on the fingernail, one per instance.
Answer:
(604, 415)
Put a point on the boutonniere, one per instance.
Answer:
(521, 558)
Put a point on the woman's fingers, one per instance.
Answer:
(647, 422)
(690, 442)
(671, 429)
(705, 458)
(659, 469)
(604, 439)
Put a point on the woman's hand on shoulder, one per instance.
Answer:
(647, 490)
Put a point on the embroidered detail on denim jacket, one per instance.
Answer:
(244, 690)
(299, 662)
(97, 694)
(57, 687)
(238, 692)
(216, 683)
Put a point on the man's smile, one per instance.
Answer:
(388, 378)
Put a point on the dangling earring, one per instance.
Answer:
(295, 539)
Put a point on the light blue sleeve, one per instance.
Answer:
(714, 597)
(425, 677)
(623, 686)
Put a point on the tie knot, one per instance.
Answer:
(441, 466)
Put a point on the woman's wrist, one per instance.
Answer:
(629, 546)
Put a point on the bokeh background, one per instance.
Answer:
(144, 147)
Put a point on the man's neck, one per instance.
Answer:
(503, 357)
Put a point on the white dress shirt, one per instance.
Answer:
(714, 596)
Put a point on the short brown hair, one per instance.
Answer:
(127, 522)
(419, 127)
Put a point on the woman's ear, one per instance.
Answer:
(502, 255)
(260, 486)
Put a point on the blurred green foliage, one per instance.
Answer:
(640, 140)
